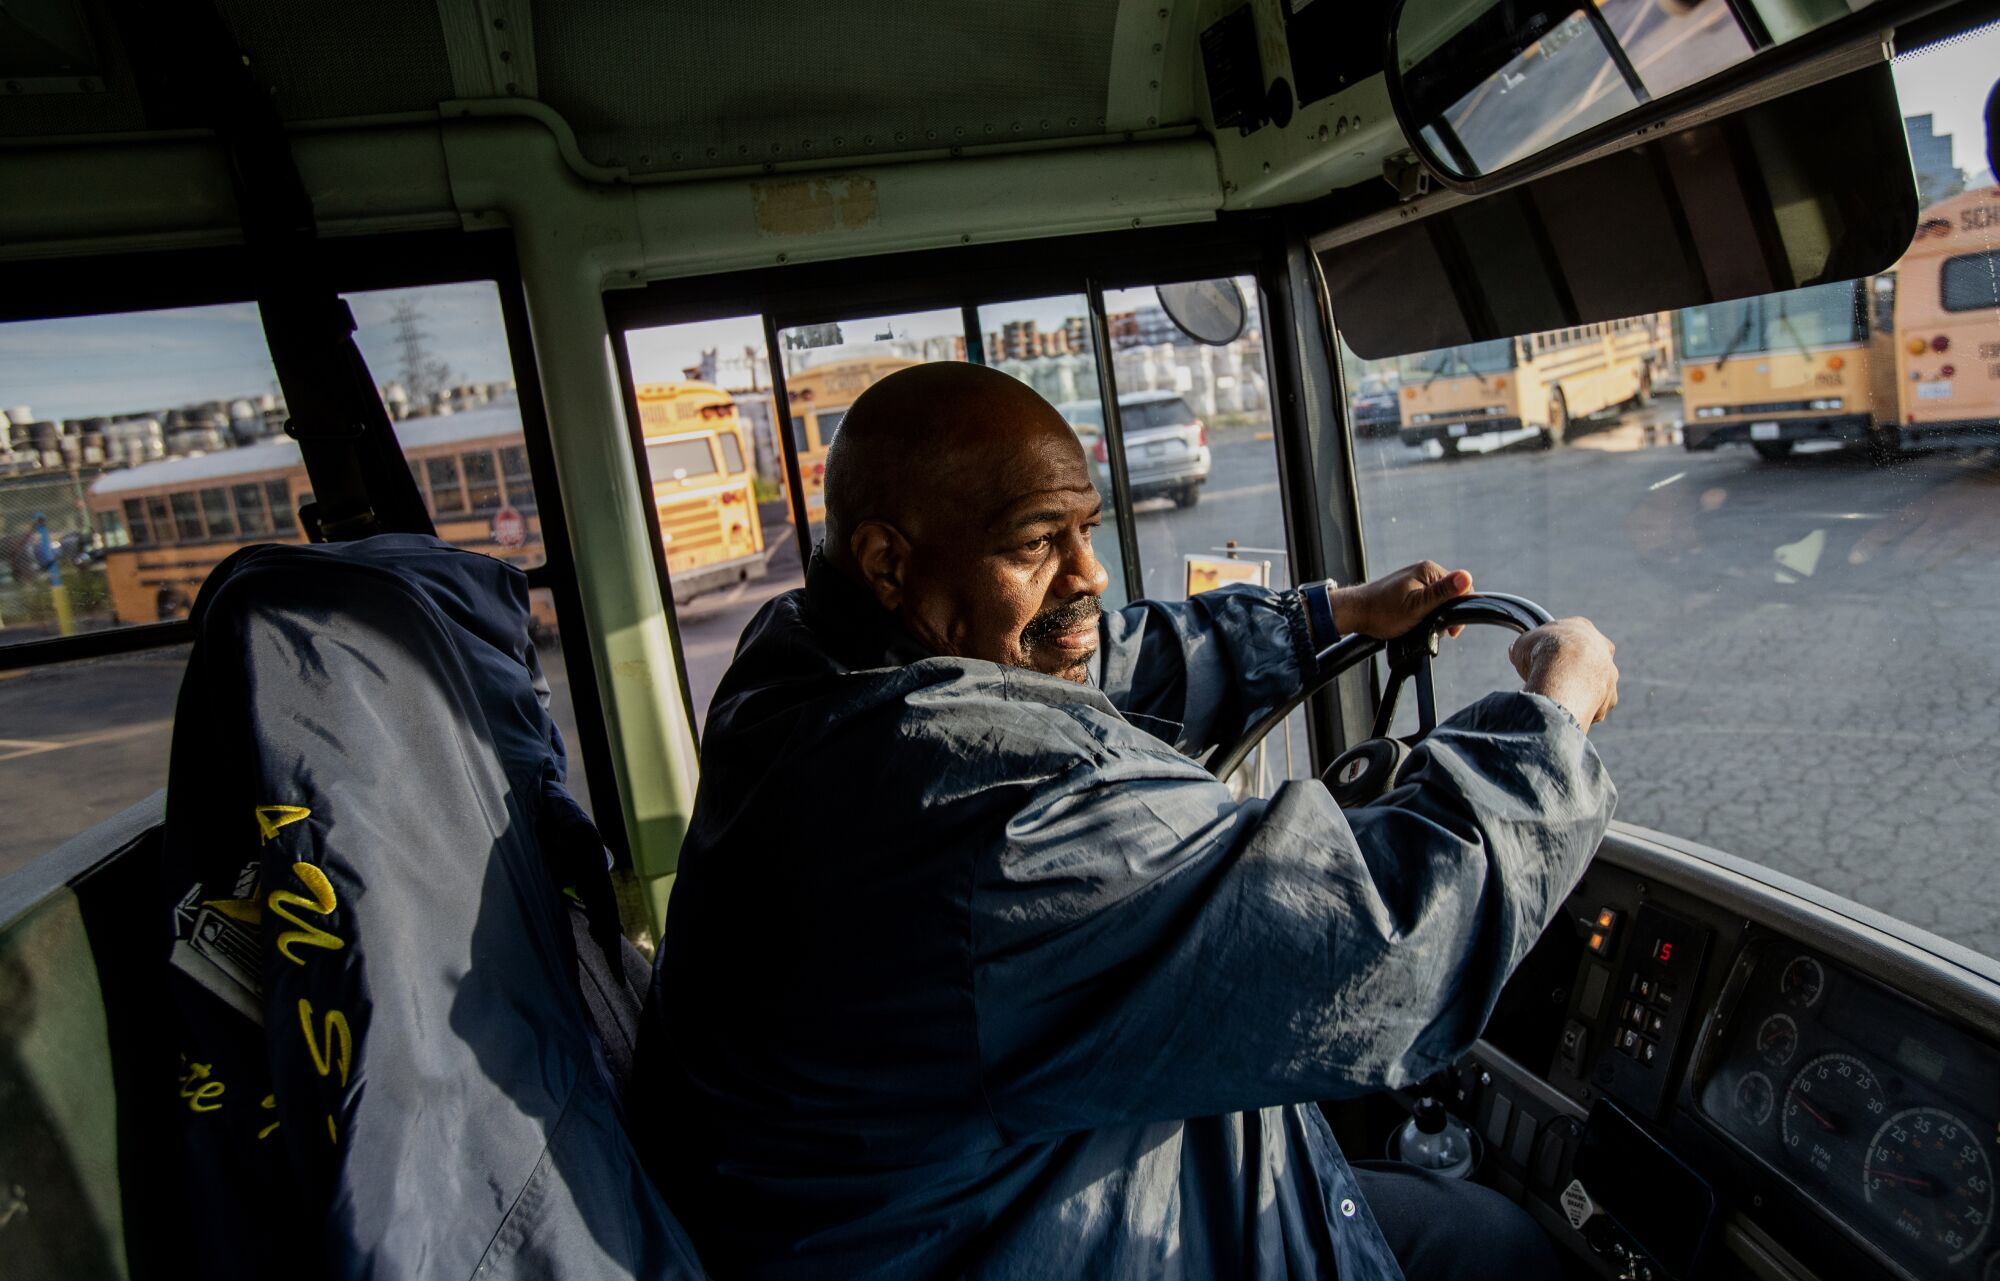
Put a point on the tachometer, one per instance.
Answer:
(1755, 1098)
(1778, 1040)
(1928, 1174)
(1831, 1107)
(1802, 982)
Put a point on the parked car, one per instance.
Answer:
(1374, 406)
(1166, 445)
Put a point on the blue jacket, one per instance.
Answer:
(384, 1067)
(973, 971)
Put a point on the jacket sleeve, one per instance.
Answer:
(1146, 949)
(1198, 671)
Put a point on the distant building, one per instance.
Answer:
(1938, 177)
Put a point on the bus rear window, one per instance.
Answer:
(732, 452)
(676, 459)
(1970, 282)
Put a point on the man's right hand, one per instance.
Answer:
(1570, 661)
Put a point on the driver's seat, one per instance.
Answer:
(385, 1063)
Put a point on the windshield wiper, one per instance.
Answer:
(1742, 334)
(1797, 340)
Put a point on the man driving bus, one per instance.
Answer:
(972, 969)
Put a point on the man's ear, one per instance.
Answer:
(882, 554)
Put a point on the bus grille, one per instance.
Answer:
(691, 526)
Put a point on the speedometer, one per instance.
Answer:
(1928, 1174)
(1831, 1107)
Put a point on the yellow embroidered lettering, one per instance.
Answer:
(202, 1100)
(269, 1104)
(322, 903)
(335, 1030)
(272, 817)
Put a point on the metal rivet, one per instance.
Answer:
(506, 55)
(1152, 120)
(807, 145)
(1045, 124)
(1135, 222)
(1267, 166)
(781, 257)
(1156, 48)
(1072, 122)
(1347, 1207)
(512, 87)
(711, 153)
(1017, 126)
(899, 135)
(840, 142)
(958, 131)
(930, 134)
(499, 24)
(965, 238)
(777, 147)
(989, 128)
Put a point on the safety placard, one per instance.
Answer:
(1206, 573)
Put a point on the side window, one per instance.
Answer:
(726, 539)
(139, 449)
(216, 514)
(447, 495)
(482, 480)
(250, 514)
(1201, 458)
(732, 452)
(1789, 535)
(514, 470)
(825, 424)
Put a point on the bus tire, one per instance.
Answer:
(1644, 396)
(1558, 429)
(1772, 450)
(1187, 495)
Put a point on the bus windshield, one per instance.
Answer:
(1490, 357)
(1799, 318)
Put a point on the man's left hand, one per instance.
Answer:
(1394, 603)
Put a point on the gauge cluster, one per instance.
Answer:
(1879, 1112)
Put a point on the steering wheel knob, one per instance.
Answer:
(1363, 773)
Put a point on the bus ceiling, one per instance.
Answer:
(773, 134)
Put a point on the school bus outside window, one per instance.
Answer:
(703, 489)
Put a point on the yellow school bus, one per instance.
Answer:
(166, 524)
(1487, 395)
(819, 398)
(1805, 365)
(1948, 291)
(702, 486)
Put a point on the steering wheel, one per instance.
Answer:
(1368, 769)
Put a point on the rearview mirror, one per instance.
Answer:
(1491, 90)
(1209, 311)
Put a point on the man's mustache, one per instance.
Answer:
(1057, 620)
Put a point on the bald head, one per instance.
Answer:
(962, 500)
(921, 443)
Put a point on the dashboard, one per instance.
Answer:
(1845, 1129)
(1875, 1110)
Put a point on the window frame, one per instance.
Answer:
(153, 280)
(1308, 405)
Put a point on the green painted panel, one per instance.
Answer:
(59, 1201)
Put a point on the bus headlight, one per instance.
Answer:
(1835, 402)
(1710, 411)
(1420, 418)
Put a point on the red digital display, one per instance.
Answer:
(1663, 950)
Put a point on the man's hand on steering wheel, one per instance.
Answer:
(1570, 661)
(1394, 603)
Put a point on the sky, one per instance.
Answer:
(86, 366)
